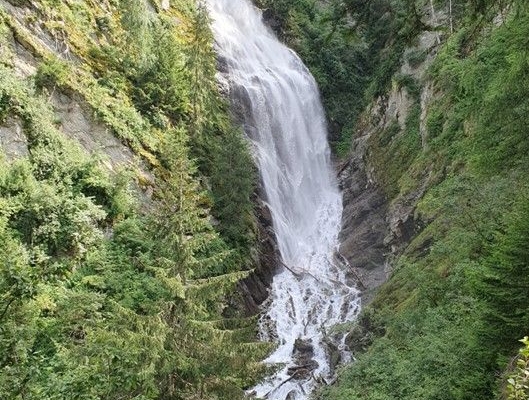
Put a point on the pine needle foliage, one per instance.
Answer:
(105, 293)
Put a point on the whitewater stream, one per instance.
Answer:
(285, 123)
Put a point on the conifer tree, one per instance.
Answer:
(505, 281)
(139, 42)
(181, 227)
(193, 254)
(201, 64)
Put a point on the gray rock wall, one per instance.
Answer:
(377, 229)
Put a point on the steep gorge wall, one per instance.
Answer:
(252, 290)
(379, 220)
(440, 162)
(29, 46)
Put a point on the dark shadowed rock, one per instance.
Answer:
(303, 347)
(364, 224)
(334, 354)
(254, 288)
(271, 19)
(303, 356)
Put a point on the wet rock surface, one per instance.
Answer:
(254, 288)
(303, 356)
(375, 229)
(334, 354)
(364, 225)
(271, 19)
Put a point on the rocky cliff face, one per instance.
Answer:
(28, 46)
(364, 224)
(254, 288)
(379, 223)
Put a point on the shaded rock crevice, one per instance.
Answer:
(377, 227)
(364, 224)
(254, 288)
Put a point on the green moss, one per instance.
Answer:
(392, 151)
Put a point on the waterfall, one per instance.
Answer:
(285, 122)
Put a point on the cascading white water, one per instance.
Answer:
(285, 122)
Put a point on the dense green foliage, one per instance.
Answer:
(105, 291)
(450, 316)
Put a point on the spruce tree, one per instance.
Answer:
(504, 283)
(201, 66)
